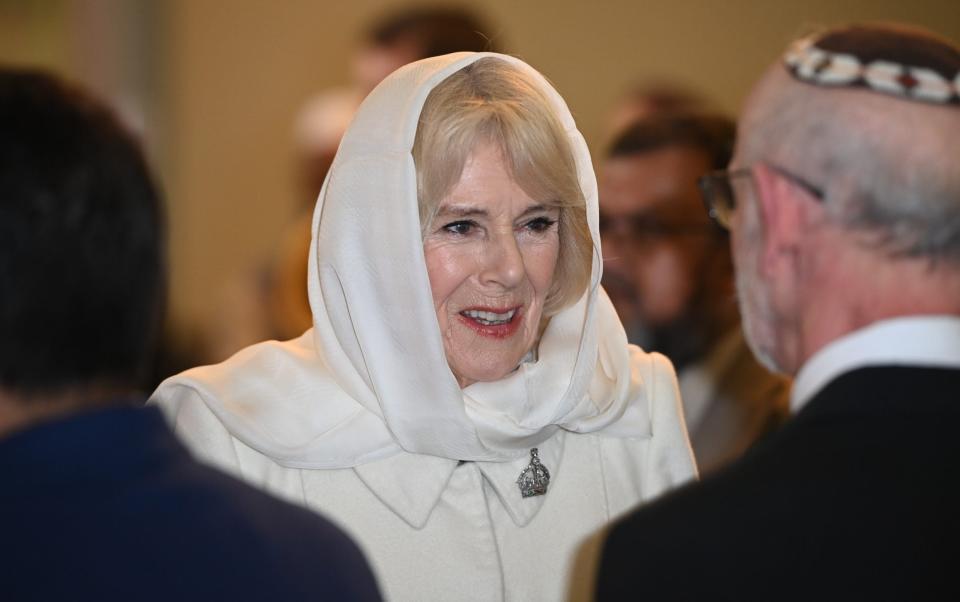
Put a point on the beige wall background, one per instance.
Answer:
(217, 84)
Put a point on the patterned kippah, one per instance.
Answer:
(902, 63)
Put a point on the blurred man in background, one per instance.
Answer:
(99, 501)
(843, 200)
(668, 270)
(652, 96)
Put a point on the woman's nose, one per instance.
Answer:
(503, 262)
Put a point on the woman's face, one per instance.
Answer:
(490, 255)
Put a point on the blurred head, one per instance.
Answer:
(872, 155)
(411, 34)
(81, 243)
(666, 266)
(653, 97)
(504, 220)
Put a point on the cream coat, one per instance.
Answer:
(436, 529)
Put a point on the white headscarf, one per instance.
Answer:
(371, 378)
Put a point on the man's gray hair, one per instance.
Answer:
(889, 167)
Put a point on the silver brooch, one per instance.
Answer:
(535, 478)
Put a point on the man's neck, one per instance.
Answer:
(861, 293)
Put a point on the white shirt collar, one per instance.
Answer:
(906, 341)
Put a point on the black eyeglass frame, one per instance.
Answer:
(716, 189)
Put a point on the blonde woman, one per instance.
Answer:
(466, 404)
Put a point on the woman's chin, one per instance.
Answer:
(493, 373)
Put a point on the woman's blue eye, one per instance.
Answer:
(541, 224)
(461, 227)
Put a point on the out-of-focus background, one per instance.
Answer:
(216, 89)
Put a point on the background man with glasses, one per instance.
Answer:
(668, 271)
(843, 202)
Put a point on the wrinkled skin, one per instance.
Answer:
(491, 253)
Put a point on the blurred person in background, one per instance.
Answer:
(99, 500)
(656, 96)
(466, 404)
(843, 202)
(272, 303)
(668, 270)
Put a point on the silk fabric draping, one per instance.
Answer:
(370, 378)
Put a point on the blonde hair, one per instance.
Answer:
(492, 101)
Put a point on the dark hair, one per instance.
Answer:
(712, 134)
(435, 30)
(82, 265)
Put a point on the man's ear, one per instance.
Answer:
(784, 215)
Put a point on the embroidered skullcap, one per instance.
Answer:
(911, 64)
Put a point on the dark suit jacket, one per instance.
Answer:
(856, 498)
(108, 505)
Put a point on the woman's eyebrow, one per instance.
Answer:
(462, 211)
(535, 209)
(472, 211)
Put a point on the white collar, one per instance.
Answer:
(411, 485)
(906, 341)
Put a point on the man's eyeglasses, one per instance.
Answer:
(717, 190)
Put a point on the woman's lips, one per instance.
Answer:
(497, 323)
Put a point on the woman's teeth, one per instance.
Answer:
(489, 318)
